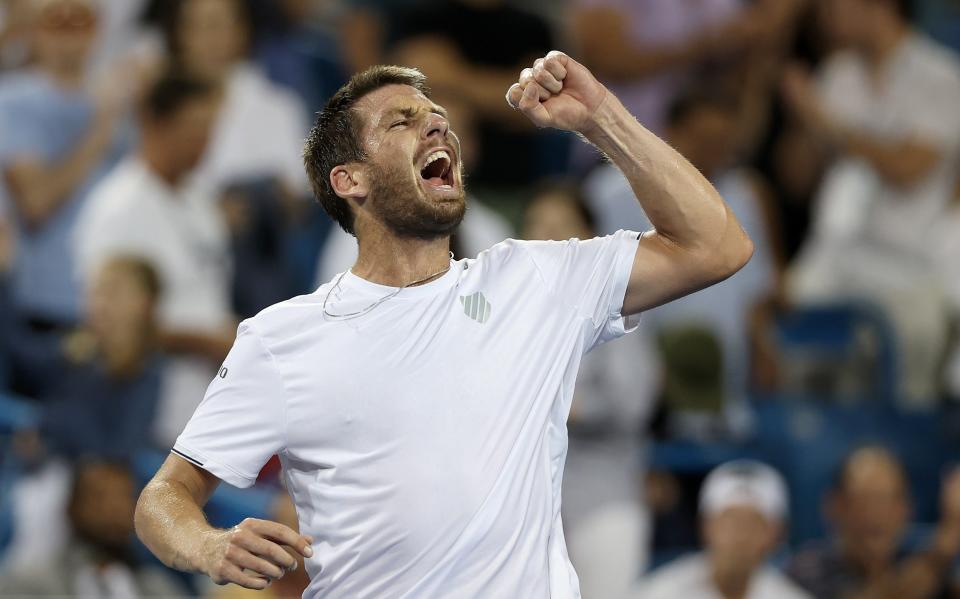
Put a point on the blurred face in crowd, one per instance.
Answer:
(871, 509)
(185, 134)
(64, 34)
(412, 174)
(102, 505)
(554, 215)
(212, 37)
(120, 306)
(738, 540)
(707, 137)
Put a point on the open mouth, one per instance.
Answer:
(438, 169)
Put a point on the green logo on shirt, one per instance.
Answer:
(476, 307)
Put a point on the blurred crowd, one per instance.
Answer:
(787, 433)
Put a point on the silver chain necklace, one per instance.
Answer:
(369, 308)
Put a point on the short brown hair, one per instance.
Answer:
(335, 137)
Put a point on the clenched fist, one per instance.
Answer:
(253, 553)
(558, 92)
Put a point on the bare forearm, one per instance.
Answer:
(682, 205)
(40, 190)
(172, 525)
(898, 163)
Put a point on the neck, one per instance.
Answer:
(159, 162)
(123, 355)
(393, 261)
(732, 584)
(885, 40)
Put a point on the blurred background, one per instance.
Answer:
(152, 194)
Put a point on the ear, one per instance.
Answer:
(349, 181)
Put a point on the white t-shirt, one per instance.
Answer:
(689, 578)
(259, 134)
(423, 443)
(180, 232)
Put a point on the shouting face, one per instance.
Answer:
(411, 180)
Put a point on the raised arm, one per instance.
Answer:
(696, 240)
(171, 523)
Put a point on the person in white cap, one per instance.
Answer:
(743, 505)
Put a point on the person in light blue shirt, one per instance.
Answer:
(56, 140)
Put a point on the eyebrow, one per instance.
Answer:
(410, 112)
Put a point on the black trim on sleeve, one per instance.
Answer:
(188, 458)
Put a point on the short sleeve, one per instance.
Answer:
(241, 421)
(591, 278)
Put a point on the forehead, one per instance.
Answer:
(391, 99)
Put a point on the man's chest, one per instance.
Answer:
(449, 376)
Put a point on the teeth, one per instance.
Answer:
(437, 156)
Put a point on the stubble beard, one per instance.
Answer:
(403, 207)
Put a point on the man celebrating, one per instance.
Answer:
(418, 404)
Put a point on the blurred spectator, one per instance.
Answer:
(743, 505)
(99, 561)
(293, 584)
(710, 339)
(481, 228)
(886, 106)
(58, 140)
(109, 377)
(148, 207)
(452, 43)
(869, 509)
(260, 129)
(101, 404)
(300, 54)
(605, 523)
(645, 49)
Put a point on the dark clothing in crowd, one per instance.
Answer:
(94, 413)
(823, 571)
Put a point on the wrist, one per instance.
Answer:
(607, 118)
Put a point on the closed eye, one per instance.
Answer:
(398, 124)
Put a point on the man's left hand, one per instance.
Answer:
(558, 92)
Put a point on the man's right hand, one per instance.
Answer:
(254, 553)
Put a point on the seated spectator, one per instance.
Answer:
(885, 108)
(58, 139)
(718, 335)
(101, 404)
(869, 509)
(147, 207)
(451, 42)
(605, 524)
(260, 129)
(106, 398)
(743, 505)
(99, 560)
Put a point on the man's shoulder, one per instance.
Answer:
(289, 317)
(122, 197)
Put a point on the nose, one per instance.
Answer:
(435, 125)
